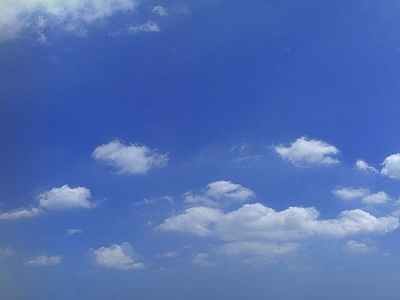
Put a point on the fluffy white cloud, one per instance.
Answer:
(71, 15)
(220, 191)
(377, 198)
(304, 151)
(131, 159)
(65, 198)
(119, 257)
(349, 193)
(391, 166)
(355, 247)
(44, 261)
(258, 222)
(362, 165)
(20, 213)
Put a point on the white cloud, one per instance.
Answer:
(132, 159)
(119, 257)
(362, 165)
(220, 191)
(20, 213)
(355, 247)
(70, 15)
(65, 198)
(365, 196)
(73, 231)
(348, 193)
(44, 261)
(391, 166)
(161, 11)
(258, 222)
(377, 198)
(304, 151)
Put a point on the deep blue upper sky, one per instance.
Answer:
(200, 149)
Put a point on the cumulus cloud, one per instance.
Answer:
(220, 191)
(363, 166)
(65, 198)
(365, 196)
(308, 152)
(120, 257)
(44, 261)
(355, 247)
(20, 213)
(258, 222)
(129, 159)
(391, 166)
(70, 15)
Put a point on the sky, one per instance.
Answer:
(199, 149)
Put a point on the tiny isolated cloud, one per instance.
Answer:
(20, 213)
(119, 257)
(305, 151)
(356, 247)
(363, 166)
(364, 195)
(73, 231)
(70, 15)
(44, 261)
(65, 198)
(220, 192)
(391, 166)
(129, 159)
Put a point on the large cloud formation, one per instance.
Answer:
(70, 15)
(129, 159)
(258, 222)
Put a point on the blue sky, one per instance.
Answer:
(199, 149)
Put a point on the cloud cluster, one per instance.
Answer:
(120, 257)
(308, 152)
(44, 261)
(364, 195)
(219, 192)
(70, 15)
(129, 159)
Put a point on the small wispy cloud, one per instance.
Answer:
(44, 261)
(73, 231)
